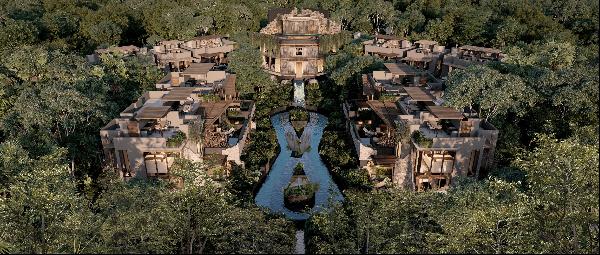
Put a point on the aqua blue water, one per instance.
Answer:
(271, 193)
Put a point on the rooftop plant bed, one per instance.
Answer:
(421, 140)
(299, 169)
(176, 140)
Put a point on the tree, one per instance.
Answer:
(487, 91)
(17, 32)
(246, 63)
(40, 208)
(563, 177)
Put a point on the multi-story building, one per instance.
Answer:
(387, 47)
(464, 56)
(175, 55)
(292, 43)
(417, 143)
(204, 79)
(426, 55)
(179, 121)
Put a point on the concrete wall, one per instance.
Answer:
(136, 146)
(364, 151)
(464, 146)
(300, 26)
(213, 76)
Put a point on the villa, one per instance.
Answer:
(464, 56)
(183, 120)
(417, 143)
(429, 56)
(422, 55)
(177, 55)
(387, 47)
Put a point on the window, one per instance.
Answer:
(298, 51)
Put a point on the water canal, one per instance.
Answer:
(271, 193)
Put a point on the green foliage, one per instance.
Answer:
(314, 95)
(402, 131)
(17, 32)
(488, 91)
(299, 169)
(301, 190)
(298, 114)
(245, 62)
(176, 140)
(563, 177)
(421, 140)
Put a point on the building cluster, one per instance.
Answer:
(400, 129)
(429, 55)
(196, 114)
(177, 55)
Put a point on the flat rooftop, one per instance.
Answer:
(387, 111)
(445, 113)
(400, 69)
(152, 112)
(198, 68)
(418, 94)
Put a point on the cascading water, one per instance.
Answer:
(299, 93)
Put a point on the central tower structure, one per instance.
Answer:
(294, 43)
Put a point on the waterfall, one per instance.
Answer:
(299, 93)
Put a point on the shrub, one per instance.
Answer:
(299, 169)
(298, 114)
(176, 140)
(421, 140)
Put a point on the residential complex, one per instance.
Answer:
(175, 55)
(464, 56)
(429, 55)
(415, 142)
(195, 116)
(399, 127)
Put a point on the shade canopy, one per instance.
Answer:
(229, 87)
(178, 94)
(418, 94)
(445, 113)
(387, 111)
(198, 68)
(400, 69)
(153, 112)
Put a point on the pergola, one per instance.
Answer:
(418, 94)
(152, 112)
(445, 113)
(178, 94)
